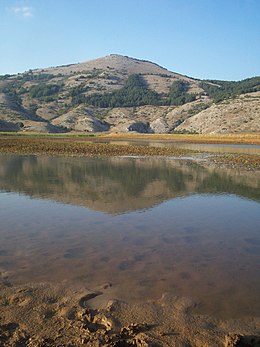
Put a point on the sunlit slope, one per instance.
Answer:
(122, 94)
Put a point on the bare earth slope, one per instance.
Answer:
(238, 115)
(56, 99)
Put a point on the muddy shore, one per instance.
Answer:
(39, 315)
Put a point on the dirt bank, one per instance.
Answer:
(39, 315)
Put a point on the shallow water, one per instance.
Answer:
(205, 147)
(146, 226)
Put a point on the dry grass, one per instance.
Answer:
(244, 138)
(253, 138)
(72, 146)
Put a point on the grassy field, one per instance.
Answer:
(253, 138)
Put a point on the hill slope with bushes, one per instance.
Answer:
(121, 94)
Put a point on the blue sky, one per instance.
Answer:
(217, 39)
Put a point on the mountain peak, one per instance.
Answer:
(122, 63)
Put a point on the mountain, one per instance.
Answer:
(120, 94)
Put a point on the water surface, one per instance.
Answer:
(203, 147)
(147, 226)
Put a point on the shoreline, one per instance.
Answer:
(77, 147)
(250, 138)
(242, 138)
(73, 317)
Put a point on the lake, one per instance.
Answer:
(203, 147)
(144, 225)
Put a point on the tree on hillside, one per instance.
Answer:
(134, 93)
(179, 95)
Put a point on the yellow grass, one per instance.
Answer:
(253, 138)
(71, 145)
(244, 138)
(81, 147)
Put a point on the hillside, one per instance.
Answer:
(121, 94)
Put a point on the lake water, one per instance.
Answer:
(144, 225)
(203, 147)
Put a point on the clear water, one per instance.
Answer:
(147, 226)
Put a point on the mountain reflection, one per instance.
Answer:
(117, 185)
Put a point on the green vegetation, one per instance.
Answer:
(44, 91)
(11, 91)
(134, 93)
(179, 93)
(184, 131)
(17, 83)
(14, 89)
(220, 90)
(29, 76)
(5, 77)
(77, 96)
(26, 92)
(198, 108)
(39, 135)
(75, 91)
(91, 73)
(10, 126)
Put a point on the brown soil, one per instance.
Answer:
(42, 315)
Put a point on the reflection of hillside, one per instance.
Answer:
(117, 185)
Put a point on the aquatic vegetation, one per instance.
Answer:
(72, 146)
(246, 161)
